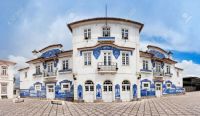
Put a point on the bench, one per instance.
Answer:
(18, 100)
(58, 102)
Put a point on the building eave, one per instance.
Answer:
(179, 68)
(26, 68)
(54, 45)
(145, 54)
(7, 62)
(170, 61)
(105, 18)
(156, 47)
(104, 44)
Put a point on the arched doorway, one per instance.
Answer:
(107, 91)
(89, 91)
(126, 93)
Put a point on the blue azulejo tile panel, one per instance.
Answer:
(150, 91)
(117, 91)
(134, 90)
(80, 92)
(51, 53)
(180, 90)
(24, 93)
(157, 54)
(145, 92)
(169, 91)
(59, 94)
(98, 91)
(97, 51)
(64, 94)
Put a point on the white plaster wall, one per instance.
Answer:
(9, 81)
(174, 79)
(84, 73)
(26, 83)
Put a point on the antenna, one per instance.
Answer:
(106, 12)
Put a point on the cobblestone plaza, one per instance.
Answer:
(182, 105)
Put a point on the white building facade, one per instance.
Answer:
(6, 79)
(103, 65)
(49, 75)
(159, 75)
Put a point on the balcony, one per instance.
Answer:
(49, 75)
(37, 74)
(107, 68)
(145, 71)
(106, 39)
(65, 71)
(158, 74)
(168, 74)
(4, 76)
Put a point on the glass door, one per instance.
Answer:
(107, 59)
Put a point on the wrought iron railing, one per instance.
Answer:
(145, 70)
(158, 73)
(65, 70)
(106, 39)
(50, 74)
(168, 74)
(112, 66)
(37, 74)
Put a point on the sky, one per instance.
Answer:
(26, 25)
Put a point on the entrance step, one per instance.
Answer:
(98, 101)
(136, 99)
(118, 100)
(79, 101)
(58, 102)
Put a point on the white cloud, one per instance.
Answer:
(172, 39)
(20, 60)
(190, 68)
(39, 26)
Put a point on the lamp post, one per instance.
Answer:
(75, 87)
(138, 86)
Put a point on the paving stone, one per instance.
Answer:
(183, 105)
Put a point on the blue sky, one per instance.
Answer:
(26, 25)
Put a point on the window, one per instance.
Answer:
(87, 34)
(158, 67)
(125, 85)
(106, 31)
(50, 67)
(168, 69)
(107, 86)
(107, 58)
(25, 74)
(65, 64)
(38, 87)
(4, 70)
(125, 59)
(87, 58)
(37, 69)
(168, 85)
(178, 74)
(145, 85)
(145, 65)
(3, 88)
(124, 33)
(89, 86)
(104, 88)
(65, 86)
